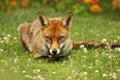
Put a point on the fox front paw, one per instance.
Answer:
(40, 54)
(37, 55)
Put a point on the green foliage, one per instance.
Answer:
(77, 6)
(64, 4)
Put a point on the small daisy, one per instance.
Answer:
(1, 50)
(37, 70)
(23, 71)
(53, 72)
(9, 35)
(117, 49)
(104, 40)
(85, 73)
(15, 60)
(104, 75)
(15, 38)
(96, 71)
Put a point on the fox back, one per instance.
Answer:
(47, 36)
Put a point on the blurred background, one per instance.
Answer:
(76, 6)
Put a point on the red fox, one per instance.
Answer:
(47, 36)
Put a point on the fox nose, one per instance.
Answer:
(54, 51)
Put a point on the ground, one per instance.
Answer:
(90, 64)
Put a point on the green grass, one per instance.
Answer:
(95, 64)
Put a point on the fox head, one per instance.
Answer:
(56, 32)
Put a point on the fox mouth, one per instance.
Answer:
(54, 51)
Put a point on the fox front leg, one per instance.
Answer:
(39, 52)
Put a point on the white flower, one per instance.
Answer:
(2, 70)
(113, 75)
(84, 66)
(38, 70)
(85, 73)
(26, 51)
(117, 49)
(8, 35)
(15, 38)
(23, 71)
(104, 75)
(84, 56)
(118, 70)
(85, 50)
(90, 67)
(69, 78)
(15, 70)
(71, 65)
(28, 76)
(15, 60)
(27, 65)
(96, 71)
(34, 71)
(104, 40)
(115, 41)
(34, 77)
(1, 50)
(53, 72)
(82, 46)
(29, 59)
(2, 41)
(86, 78)
(73, 71)
(118, 37)
(17, 66)
(40, 77)
(103, 53)
(5, 38)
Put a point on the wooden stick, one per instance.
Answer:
(95, 44)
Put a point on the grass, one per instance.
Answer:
(95, 64)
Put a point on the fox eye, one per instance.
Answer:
(48, 38)
(61, 37)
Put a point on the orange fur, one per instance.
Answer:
(47, 36)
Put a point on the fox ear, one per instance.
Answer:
(67, 19)
(43, 19)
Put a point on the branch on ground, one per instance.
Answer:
(95, 44)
